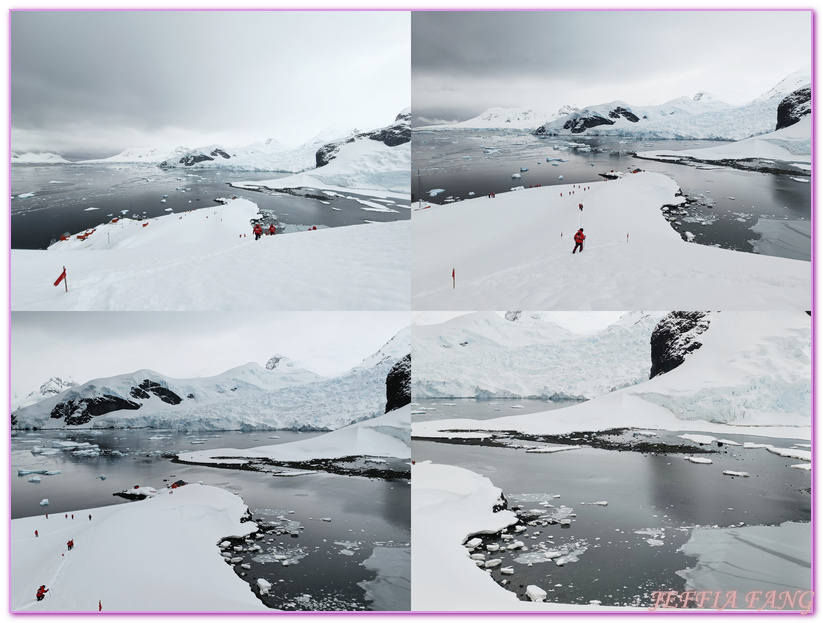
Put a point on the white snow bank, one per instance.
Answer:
(167, 557)
(791, 144)
(752, 375)
(388, 435)
(525, 261)
(365, 166)
(340, 268)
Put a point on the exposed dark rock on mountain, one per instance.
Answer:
(79, 411)
(392, 135)
(794, 106)
(398, 384)
(674, 337)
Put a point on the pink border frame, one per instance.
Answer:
(437, 614)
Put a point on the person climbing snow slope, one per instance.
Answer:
(579, 237)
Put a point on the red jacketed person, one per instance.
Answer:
(579, 237)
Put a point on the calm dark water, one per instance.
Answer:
(365, 514)
(63, 196)
(650, 497)
(728, 202)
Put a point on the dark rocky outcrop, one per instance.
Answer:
(143, 390)
(795, 105)
(78, 411)
(392, 135)
(674, 337)
(194, 158)
(398, 384)
(581, 124)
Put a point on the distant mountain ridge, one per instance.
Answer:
(281, 395)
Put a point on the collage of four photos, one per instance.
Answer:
(428, 311)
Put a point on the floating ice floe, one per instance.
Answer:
(729, 472)
(25, 195)
(560, 177)
(804, 466)
(699, 460)
(535, 593)
(90, 209)
(34, 479)
(791, 453)
(263, 586)
(436, 191)
(550, 450)
(516, 176)
(44, 502)
(102, 476)
(805, 180)
(475, 542)
(689, 236)
(524, 169)
(703, 440)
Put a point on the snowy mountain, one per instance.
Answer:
(753, 370)
(52, 387)
(379, 160)
(527, 355)
(248, 397)
(674, 338)
(139, 155)
(502, 119)
(698, 117)
(398, 133)
(794, 107)
(32, 158)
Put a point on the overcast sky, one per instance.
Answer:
(88, 345)
(466, 62)
(92, 83)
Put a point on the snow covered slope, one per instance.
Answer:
(376, 162)
(790, 144)
(165, 549)
(140, 155)
(498, 119)
(699, 117)
(483, 355)
(387, 435)
(52, 387)
(198, 261)
(752, 371)
(515, 251)
(245, 398)
(32, 158)
(224, 223)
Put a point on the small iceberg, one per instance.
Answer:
(516, 176)
(34, 478)
(560, 177)
(524, 169)
(102, 476)
(44, 502)
(436, 191)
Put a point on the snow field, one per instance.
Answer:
(164, 550)
(508, 253)
(343, 268)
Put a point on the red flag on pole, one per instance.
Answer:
(61, 277)
(453, 281)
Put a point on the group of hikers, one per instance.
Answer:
(258, 230)
(41, 592)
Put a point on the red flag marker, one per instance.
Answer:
(454, 283)
(62, 277)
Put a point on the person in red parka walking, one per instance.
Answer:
(272, 230)
(258, 231)
(579, 237)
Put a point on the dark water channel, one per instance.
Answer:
(62, 198)
(725, 203)
(367, 517)
(627, 549)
